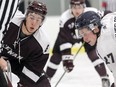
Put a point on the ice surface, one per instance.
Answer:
(83, 75)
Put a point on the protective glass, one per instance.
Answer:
(89, 28)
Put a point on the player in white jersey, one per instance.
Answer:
(107, 51)
(102, 33)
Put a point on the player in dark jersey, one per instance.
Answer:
(26, 46)
(67, 37)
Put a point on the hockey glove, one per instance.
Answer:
(105, 81)
(67, 62)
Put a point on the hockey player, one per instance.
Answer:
(102, 33)
(26, 47)
(67, 38)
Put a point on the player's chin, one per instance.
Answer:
(31, 31)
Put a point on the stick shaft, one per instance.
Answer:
(73, 60)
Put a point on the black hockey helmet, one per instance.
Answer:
(77, 2)
(88, 19)
(37, 7)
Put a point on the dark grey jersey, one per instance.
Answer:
(27, 55)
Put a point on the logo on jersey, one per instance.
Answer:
(70, 26)
(104, 27)
(11, 52)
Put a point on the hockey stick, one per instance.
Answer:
(73, 60)
(5, 76)
(8, 75)
(4, 80)
(8, 80)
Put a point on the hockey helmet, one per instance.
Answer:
(77, 2)
(37, 7)
(89, 19)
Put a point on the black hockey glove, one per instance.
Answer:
(105, 81)
(67, 62)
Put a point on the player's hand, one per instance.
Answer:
(67, 63)
(3, 64)
(105, 81)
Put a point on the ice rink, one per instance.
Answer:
(83, 74)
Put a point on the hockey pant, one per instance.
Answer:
(42, 82)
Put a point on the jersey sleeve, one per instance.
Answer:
(109, 24)
(67, 37)
(18, 17)
(100, 13)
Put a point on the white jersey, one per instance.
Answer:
(100, 13)
(106, 44)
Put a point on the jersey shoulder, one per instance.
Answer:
(109, 18)
(18, 18)
(42, 38)
(100, 13)
(108, 24)
(109, 15)
(90, 9)
(65, 17)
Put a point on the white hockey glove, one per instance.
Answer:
(105, 81)
(67, 63)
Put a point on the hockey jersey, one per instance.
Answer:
(106, 43)
(28, 55)
(68, 34)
